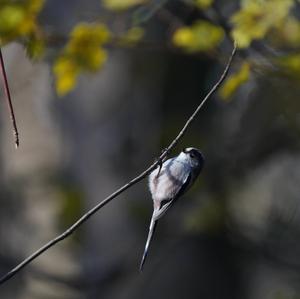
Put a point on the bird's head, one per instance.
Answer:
(193, 156)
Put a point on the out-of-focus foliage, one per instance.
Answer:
(291, 64)
(83, 52)
(235, 80)
(274, 24)
(145, 12)
(203, 4)
(35, 46)
(19, 19)
(71, 201)
(132, 36)
(287, 34)
(201, 36)
(257, 17)
(208, 217)
(121, 4)
(242, 219)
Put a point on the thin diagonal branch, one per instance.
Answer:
(8, 100)
(141, 176)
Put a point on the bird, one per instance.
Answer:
(168, 183)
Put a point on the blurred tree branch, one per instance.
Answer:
(138, 178)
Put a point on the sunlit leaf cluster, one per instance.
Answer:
(272, 24)
(18, 19)
(257, 17)
(83, 52)
(201, 36)
(271, 21)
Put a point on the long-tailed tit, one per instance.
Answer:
(169, 183)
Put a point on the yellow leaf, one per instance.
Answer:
(257, 17)
(204, 4)
(10, 17)
(183, 37)
(235, 81)
(87, 33)
(95, 59)
(18, 19)
(121, 4)
(26, 26)
(83, 52)
(65, 83)
(34, 6)
(201, 36)
(85, 44)
(66, 73)
(134, 34)
(63, 65)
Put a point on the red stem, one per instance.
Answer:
(8, 101)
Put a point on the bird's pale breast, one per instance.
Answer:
(169, 181)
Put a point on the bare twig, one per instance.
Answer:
(163, 155)
(8, 100)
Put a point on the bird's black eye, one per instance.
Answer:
(192, 155)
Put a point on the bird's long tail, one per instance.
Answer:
(152, 227)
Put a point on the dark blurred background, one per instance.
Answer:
(235, 234)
